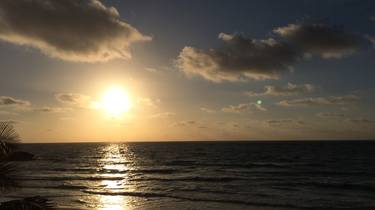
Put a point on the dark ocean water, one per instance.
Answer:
(204, 175)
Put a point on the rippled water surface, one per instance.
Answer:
(216, 175)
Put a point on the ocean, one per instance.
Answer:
(202, 175)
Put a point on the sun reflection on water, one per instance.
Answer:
(115, 163)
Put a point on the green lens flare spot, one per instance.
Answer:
(259, 102)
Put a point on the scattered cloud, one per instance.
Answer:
(191, 124)
(290, 123)
(331, 100)
(240, 58)
(186, 123)
(148, 101)
(371, 39)
(208, 110)
(243, 108)
(320, 39)
(48, 109)
(152, 70)
(67, 118)
(330, 115)
(289, 89)
(10, 121)
(74, 30)
(361, 121)
(73, 99)
(163, 115)
(10, 101)
(2, 112)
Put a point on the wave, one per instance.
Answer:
(246, 165)
(115, 171)
(229, 201)
(191, 179)
(63, 187)
(298, 173)
(162, 195)
(340, 186)
(69, 178)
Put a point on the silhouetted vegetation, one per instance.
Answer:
(8, 173)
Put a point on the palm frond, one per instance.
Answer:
(7, 176)
(8, 138)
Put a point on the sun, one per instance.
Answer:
(115, 101)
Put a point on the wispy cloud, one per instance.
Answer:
(163, 115)
(208, 110)
(2, 112)
(152, 70)
(331, 100)
(191, 124)
(148, 101)
(10, 101)
(285, 123)
(48, 109)
(361, 121)
(74, 30)
(243, 108)
(10, 121)
(289, 89)
(74, 99)
(331, 115)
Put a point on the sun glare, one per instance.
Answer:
(115, 102)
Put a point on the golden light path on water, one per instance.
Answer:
(115, 159)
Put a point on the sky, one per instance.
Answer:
(187, 70)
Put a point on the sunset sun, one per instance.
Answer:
(115, 101)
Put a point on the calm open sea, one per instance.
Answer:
(204, 175)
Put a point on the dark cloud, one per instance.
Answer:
(243, 108)
(331, 100)
(10, 101)
(289, 89)
(320, 39)
(240, 58)
(73, 99)
(75, 30)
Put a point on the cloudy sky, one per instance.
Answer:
(190, 70)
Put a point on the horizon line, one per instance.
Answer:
(195, 141)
